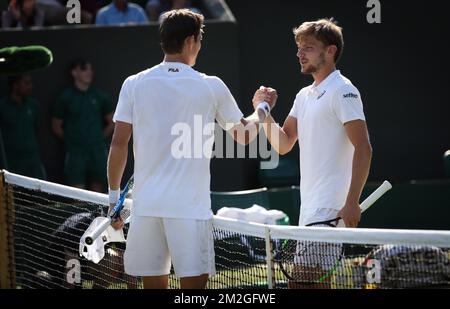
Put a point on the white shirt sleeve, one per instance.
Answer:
(294, 109)
(293, 112)
(124, 109)
(228, 113)
(347, 104)
(297, 102)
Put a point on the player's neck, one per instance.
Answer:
(322, 74)
(177, 58)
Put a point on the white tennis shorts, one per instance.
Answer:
(309, 216)
(310, 254)
(154, 244)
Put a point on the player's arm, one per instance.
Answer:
(57, 127)
(118, 151)
(358, 135)
(247, 130)
(109, 128)
(117, 160)
(283, 138)
(118, 154)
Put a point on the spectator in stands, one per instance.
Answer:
(82, 117)
(19, 119)
(22, 14)
(141, 3)
(56, 11)
(120, 12)
(180, 4)
(155, 7)
(93, 6)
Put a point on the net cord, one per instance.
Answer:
(323, 234)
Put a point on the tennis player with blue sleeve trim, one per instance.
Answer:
(171, 220)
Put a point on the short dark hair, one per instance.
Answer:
(325, 30)
(176, 26)
(79, 63)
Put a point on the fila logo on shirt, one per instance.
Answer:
(350, 96)
(174, 70)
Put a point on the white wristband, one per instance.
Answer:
(263, 109)
(114, 196)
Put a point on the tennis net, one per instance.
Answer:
(42, 223)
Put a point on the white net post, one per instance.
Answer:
(269, 259)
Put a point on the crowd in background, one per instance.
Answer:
(20, 113)
(81, 117)
(25, 14)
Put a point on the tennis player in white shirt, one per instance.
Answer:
(328, 121)
(171, 217)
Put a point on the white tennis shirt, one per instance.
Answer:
(326, 153)
(172, 109)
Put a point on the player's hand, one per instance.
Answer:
(118, 223)
(272, 97)
(351, 214)
(265, 94)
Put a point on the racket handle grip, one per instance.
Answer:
(89, 240)
(371, 199)
(386, 186)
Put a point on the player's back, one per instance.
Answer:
(171, 106)
(168, 94)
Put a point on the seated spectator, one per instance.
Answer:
(19, 119)
(141, 3)
(92, 7)
(56, 11)
(155, 7)
(180, 4)
(22, 14)
(120, 12)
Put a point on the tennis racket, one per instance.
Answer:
(288, 250)
(369, 201)
(113, 214)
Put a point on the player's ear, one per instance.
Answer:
(332, 50)
(185, 44)
(190, 40)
